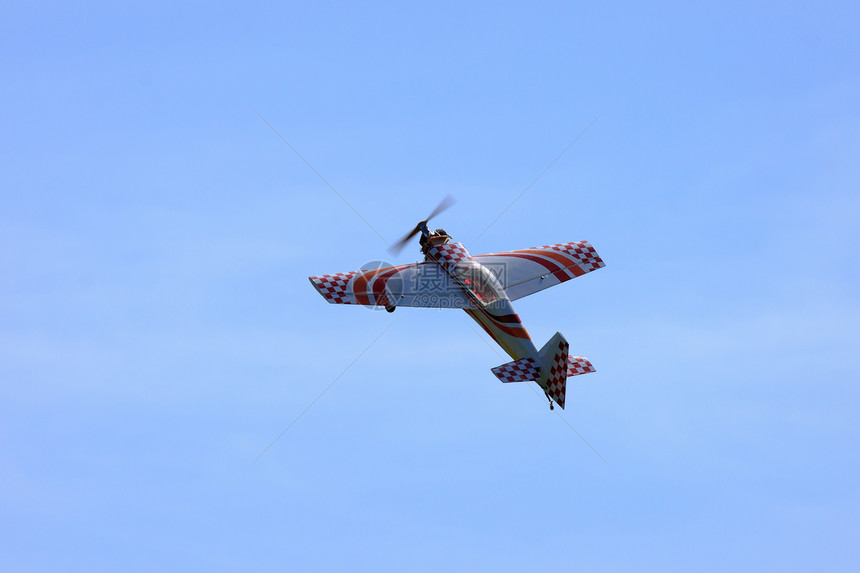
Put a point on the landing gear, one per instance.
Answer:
(551, 407)
(390, 308)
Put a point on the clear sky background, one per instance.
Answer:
(157, 329)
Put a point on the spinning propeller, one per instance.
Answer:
(398, 246)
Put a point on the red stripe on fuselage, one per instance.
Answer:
(508, 318)
(515, 331)
(474, 314)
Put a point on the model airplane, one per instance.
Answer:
(483, 286)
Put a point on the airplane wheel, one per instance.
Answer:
(390, 308)
(551, 407)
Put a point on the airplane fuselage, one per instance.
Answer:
(493, 311)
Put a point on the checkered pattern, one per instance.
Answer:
(577, 365)
(556, 383)
(334, 287)
(449, 253)
(581, 251)
(522, 370)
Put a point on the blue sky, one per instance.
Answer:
(157, 329)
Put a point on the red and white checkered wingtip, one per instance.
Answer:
(582, 253)
(333, 288)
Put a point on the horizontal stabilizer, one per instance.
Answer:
(577, 365)
(522, 370)
(548, 369)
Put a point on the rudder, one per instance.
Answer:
(553, 367)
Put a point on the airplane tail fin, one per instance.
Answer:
(550, 369)
(556, 366)
(553, 368)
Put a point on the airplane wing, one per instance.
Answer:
(528, 271)
(423, 284)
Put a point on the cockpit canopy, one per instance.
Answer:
(480, 281)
